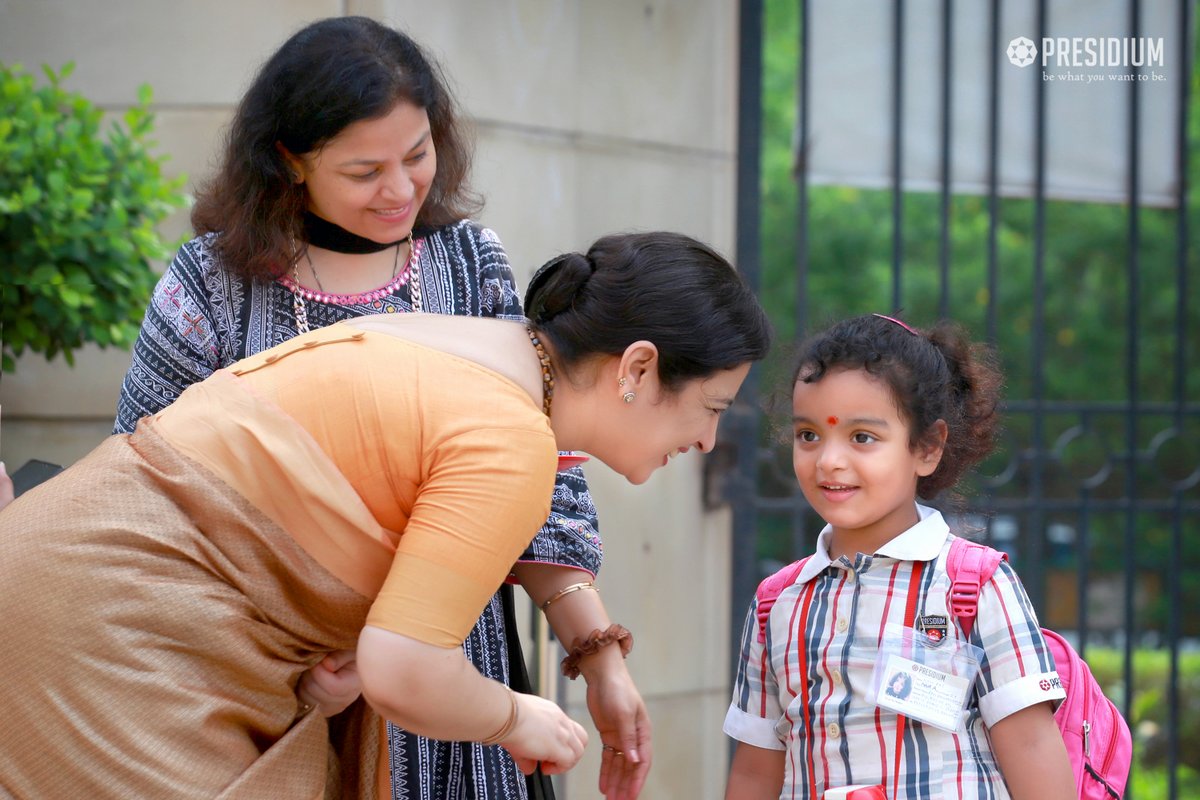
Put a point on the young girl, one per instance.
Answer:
(884, 414)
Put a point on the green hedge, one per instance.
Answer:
(1149, 723)
(79, 207)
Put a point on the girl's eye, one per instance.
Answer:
(365, 176)
(862, 438)
(806, 436)
(416, 157)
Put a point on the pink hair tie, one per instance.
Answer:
(898, 322)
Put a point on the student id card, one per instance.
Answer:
(925, 681)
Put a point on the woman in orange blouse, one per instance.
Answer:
(164, 595)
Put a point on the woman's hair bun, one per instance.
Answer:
(556, 285)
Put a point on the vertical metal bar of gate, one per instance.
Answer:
(1174, 588)
(801, 176)
(991, 322)
(801, 513)
(993, 150)
(1133, 295)
(897, 153)
(742, 425)
(947, 114)
(1031, 566)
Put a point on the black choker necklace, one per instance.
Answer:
(329, 236)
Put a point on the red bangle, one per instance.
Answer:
(596, 640)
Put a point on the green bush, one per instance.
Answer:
(1149, 725)
(79, 206)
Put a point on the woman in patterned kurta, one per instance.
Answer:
(212, 308)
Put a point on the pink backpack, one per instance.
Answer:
(1097, 738)
(769, 590)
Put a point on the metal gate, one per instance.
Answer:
(1095, 494)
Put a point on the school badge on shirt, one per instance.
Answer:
(934, 627)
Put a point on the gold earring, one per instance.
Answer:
(628, 397)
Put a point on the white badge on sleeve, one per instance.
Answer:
(926, 681)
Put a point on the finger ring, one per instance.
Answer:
(613, 750)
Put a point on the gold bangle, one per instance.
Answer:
(510, 723)
(574, 587)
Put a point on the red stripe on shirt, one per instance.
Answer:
(887, 606)
(1012, 634)
(787, 679)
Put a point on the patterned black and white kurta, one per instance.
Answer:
(202, 318)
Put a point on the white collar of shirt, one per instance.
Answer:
(921, 542)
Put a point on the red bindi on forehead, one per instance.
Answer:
(832, 420)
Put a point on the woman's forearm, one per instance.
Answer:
(575, 610)
(431, 691)
(437, 693)
(571, 615)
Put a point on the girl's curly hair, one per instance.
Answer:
(938, 374)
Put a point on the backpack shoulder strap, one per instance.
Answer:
(769, 590)
(970, 565)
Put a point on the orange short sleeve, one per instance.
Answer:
(485, 495)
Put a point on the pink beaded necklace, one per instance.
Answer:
(302, 293)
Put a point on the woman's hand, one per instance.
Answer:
(435, 692)
(621, 719)
(544, 734)
(614, 702)
(332, 685)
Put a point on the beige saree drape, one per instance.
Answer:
(161, 598)
(198, 616)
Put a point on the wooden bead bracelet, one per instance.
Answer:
(596, 640)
